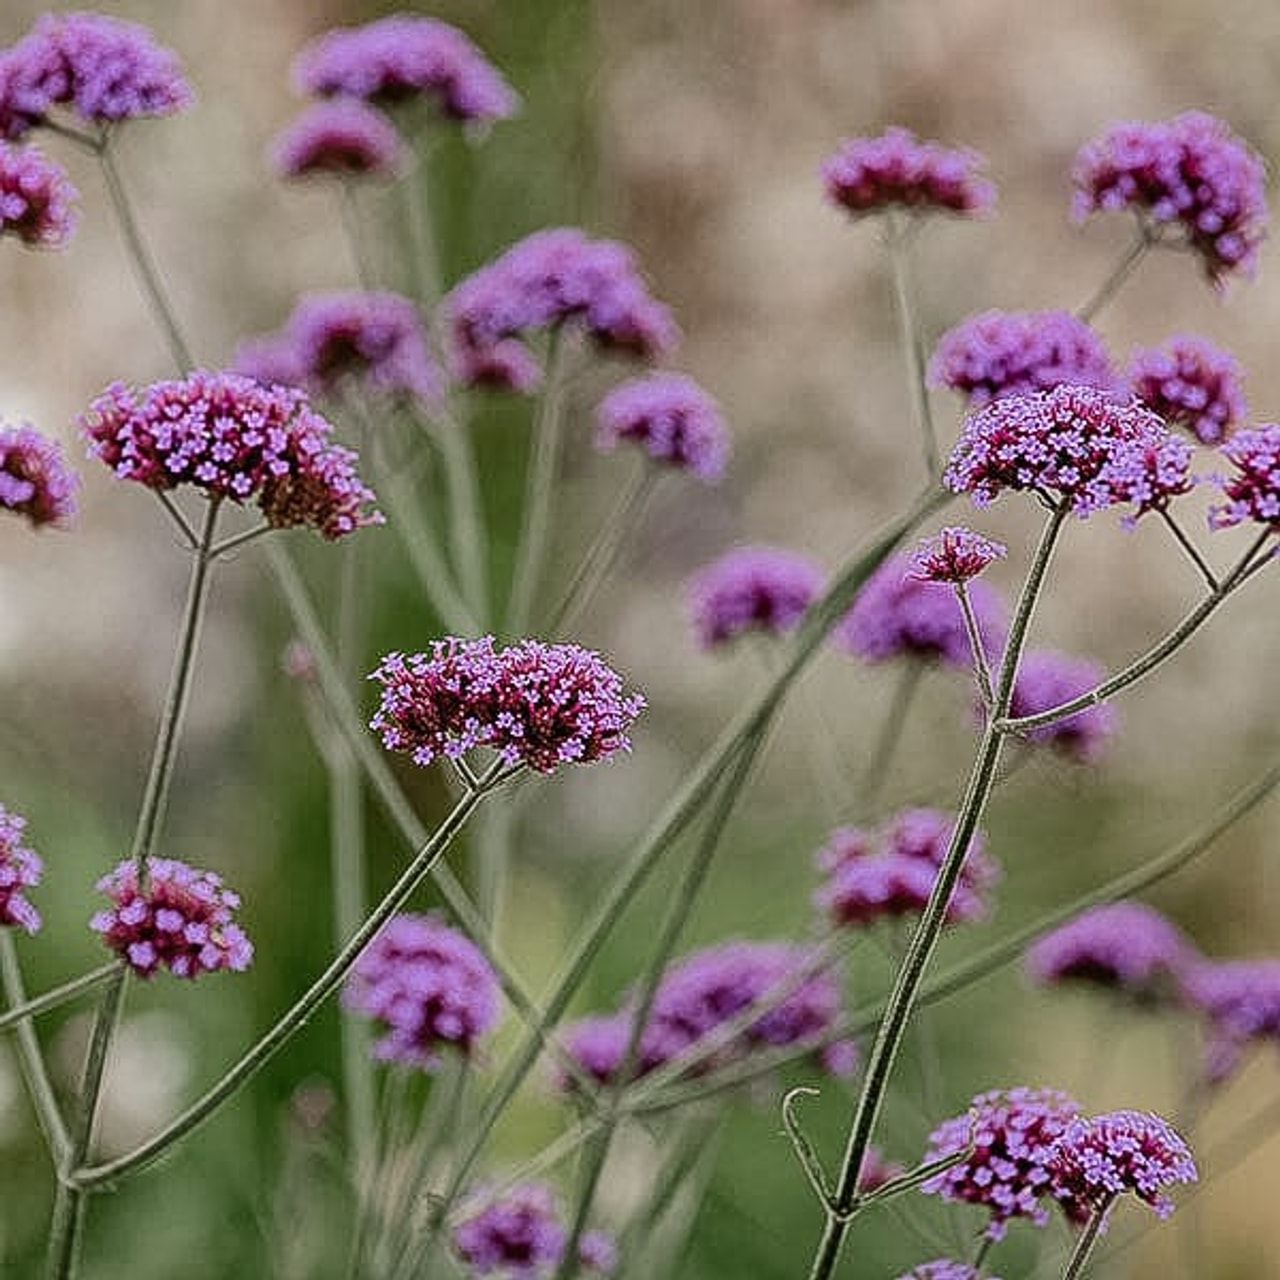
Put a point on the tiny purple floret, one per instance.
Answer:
(955, 555)
(1253, 491)
(1191, 383)
(37, 200)
(945, 1269)
(672, 418)
(20, 870)
(752, 589)
(35, 481)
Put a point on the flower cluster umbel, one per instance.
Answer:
(34, 479)
(20, 870)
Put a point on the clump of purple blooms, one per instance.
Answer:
(232, 437)
(20, 870)
(1189, 174)
(520, 1236)
(1124, 946)
(180, 920)
(672, 418)
(102, 69)
(1240, 1000)
(944, 1269)
(1047, 679)
(395, 59)
(1253, 492)
(1099, 1158)
(36, 198)
(35, 481)
(955, 555)
(755, 588)
(548, 280)
(535, 704)
(431, 987)
(1008, 1171)
(1072, 444)
(897, 169)
(1191, 383)
(344, 138)
(1002, 353)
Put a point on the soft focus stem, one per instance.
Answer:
(899, 238)
(467, 529)
(19, 1013)
(890, 736)
(1119, 274)
(361, 254)
(1088, 1238)
(981, 667)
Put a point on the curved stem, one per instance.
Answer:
(1084, 1245)
(900, 236)
(17, 1014)
(1115, 280)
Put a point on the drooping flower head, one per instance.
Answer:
(1240, 1001)
(1253, 491)
(1189, 175)
(877, 1171)
(551, 279)
(520, 1236)
(1002, 353)
(36, 198)
(896, 615)
(394, 59)
(1190, 383)
(181, 921)
(431, 987)
(1124, 946)
(536, 704)
(35, 481)
(102, 69)
(344, 138)
(867, 175)
(955, 555)
(20, 870)
(232, 437)
(1012, 1134)
(1072, 444)
(1098, 1158)
(1047, 679)
(757, 588)
(944, 1269)
(672, 418)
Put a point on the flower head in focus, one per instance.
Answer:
(1253, 491)
(955, 555)
(181, 921)
(1240, 1001)
(766, 589)
(1190, 383)
(37, 200)
(35, 481)
(343, 138)
(20, 870)
(672, 418)
(1047, 679)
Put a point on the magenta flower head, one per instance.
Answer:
(102, 69)
(1047, 679)
(1253, 491)
(35, 481)
(1002, 353)
(20, 870)
(1190, 383)
(955, 555)
(405, 56)
(1240, 1001)
(944, 1269)
(671, 418)
(1094, 1160)
(897, 169)
(1012, 1134)
(896, 615)
(520, 1236)
(1124, 946)
(431, 987)
(232, 437)
(1072, 444)
(344, 138)
(764, 589)
(1190, 176)
(539, 705)
(549, 280)
(181, 921)
(36, 198)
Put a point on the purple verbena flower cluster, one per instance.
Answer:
(1253, 492)
(955, 555)
(672, 418)
(1190, 383)
(232, 437)
(765, 589)
(181, 920)
(36, 198)
(20, 870)
(430, 985)
(549, 279)
(897, 169)
(102, 69)
(540, 705)
(1047, 679)
(1190, 172)
(35, 481)
(881, 875)
(944, 1269)
(1002, 353)
(405, 56)
(1240, 1001)
(343, 138)
(1073, 444)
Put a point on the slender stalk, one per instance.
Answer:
(17, 1014)
(1119, 274)
(424, 254)
(1088, 1238)
(906, 987)
(900, 235)
(890, 736)
(238, 540)
(285, 1027)
(1192, 551)
(189, 535)
(357, 241)
(981, 667)
(980, 1257)
(468, 531)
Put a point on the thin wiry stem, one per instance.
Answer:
(1116, 278)
(176, 514)
(900, 235)
(1193, 552)
(890, 736)
(17, 1014)
(357, 241)
(1084, 1245)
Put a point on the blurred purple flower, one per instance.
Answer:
(945, 1269)
(1047, 679)
(672, 418)
(756, 588)
(344, 138)
(1253, 492)
(36, 198)
(1240, 999)
(955, 555)
(20, 869)
(1190, 383)
(35, 481)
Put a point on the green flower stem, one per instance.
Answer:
(1117, 277)
(285, 1027)
(1088, 1238)
(535, 515)
(901, 231)
(890, 736)
(1190, 548)
(176, 514)
(901, 1002)
(468, 531)
(357, 241)
(238, 540)
(423, 253)
(30, 1057)
(17, 1014)
(981, 667)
